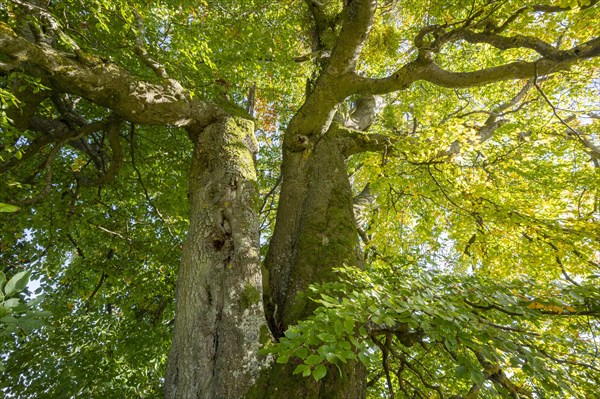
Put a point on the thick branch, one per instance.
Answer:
(355, 141)
(358, 19)
(363, 115)
(108, 85)
(587, 49)
(425, 69)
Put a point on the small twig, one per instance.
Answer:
(145, 190)
(269, 194)
(385, 362)
(111, 232)
(103, 277)
(140, 49)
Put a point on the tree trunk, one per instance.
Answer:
(315, 232)
(220, 322)
(219, 315)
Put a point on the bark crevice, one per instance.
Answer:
(219, 322)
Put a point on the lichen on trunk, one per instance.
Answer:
(219, 310)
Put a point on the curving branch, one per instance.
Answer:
(546, 50)
(538, 8)
(424, 68)
(108, 85)
(357, 21)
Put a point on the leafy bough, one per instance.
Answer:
(422, 332)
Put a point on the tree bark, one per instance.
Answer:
(315, 233)
(219, 314)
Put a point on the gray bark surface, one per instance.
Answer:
(219, 315)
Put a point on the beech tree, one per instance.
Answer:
(300, 199)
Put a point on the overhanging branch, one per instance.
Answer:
(424, 68)
(108, 85)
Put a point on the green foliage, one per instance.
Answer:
(432, 326)
(106, 259)
(18, 316)
(481, 255)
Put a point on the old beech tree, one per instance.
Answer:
(424, 222)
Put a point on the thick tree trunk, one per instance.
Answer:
(315, 233)
(219, 315)
(220, 323)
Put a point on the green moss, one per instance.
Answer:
(239, 145)
(265, 335)
(250, 296)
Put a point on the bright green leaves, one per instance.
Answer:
(328, 338)
(454, 328)
(17, 314)
(465, 193)
(16, 284)
(8, 208)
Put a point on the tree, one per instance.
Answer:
(412, 211)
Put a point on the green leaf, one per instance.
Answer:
(516, 361)
(313, 359)
(17, 283)
(302, 369)
(302, 353)
(36, 301)
(461, 371)
(363, 358)
(477, 376)
(11, 303)
(283, 359)
(8, 208)
(319, 372)
(8, 320)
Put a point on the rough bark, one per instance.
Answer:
(315, 233)
(219, 315)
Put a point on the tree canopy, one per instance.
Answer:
(457, 253)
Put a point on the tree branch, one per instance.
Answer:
(53, 131)
(539, 8)
(48, 168)
(357, 21)
(423, 68)
(355, 141)
(117, 155)
(108, 85)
